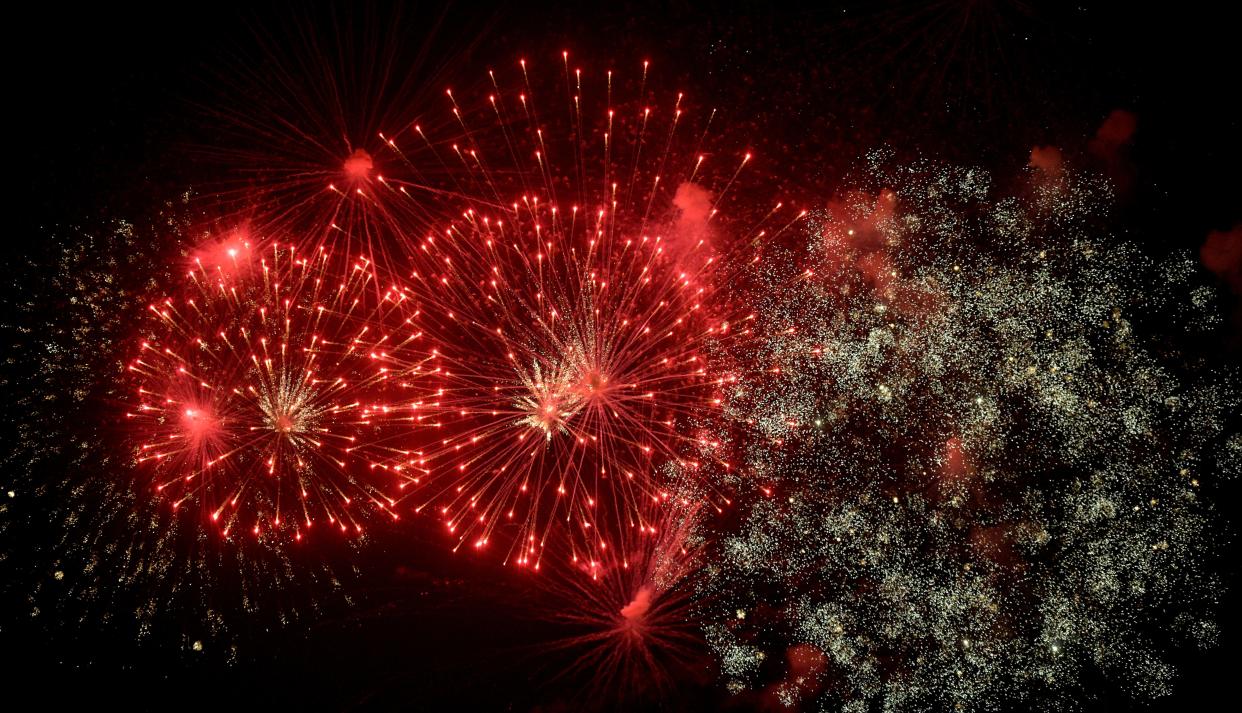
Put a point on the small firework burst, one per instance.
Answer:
(630, 631)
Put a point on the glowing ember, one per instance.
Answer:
(359, 164)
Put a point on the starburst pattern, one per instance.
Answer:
(576, 296)
(266, 394)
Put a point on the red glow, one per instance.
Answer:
(359, 164)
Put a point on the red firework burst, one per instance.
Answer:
(268, 389)
(572, 262)
(580, 317)
(632, 627)
(292, 136)
(573, 368)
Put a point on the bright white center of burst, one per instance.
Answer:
(288, 405)
(547, 399)
(548, 411)
(556, 390)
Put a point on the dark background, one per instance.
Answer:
(107, 102)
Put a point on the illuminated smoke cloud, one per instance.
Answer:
(1222, 254)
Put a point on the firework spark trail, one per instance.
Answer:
(983, 483)
(578, 295)
(269, 389)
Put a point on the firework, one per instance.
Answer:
(106, 561)
(292, 141)
(629, 628)
(578, 298)
(266, 392)
(979, 485)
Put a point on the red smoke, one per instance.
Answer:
(635, 612)
(690, 233)
(1047, 159)
(1110, 143)
(1222, 254)
(1113, 135)
(695, 204)
(803, 679)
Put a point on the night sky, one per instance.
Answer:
(120, 111)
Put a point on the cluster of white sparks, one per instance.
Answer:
(981, 484)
